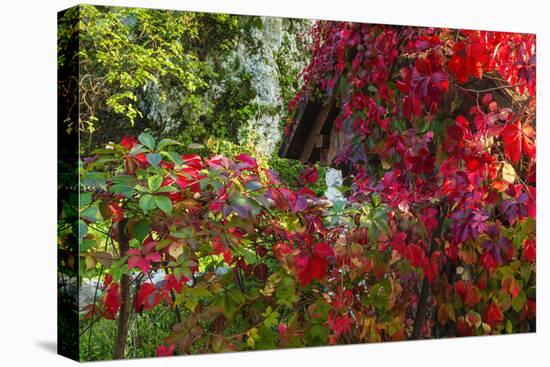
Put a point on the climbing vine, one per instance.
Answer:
(441, 125)
(435, 236)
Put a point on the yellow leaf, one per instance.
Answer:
(175, 249)
(90, 262)
(451, 312)
(508, 173)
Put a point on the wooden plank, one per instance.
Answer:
(323, 141)
(292, 145)
(315, 131)
(337, 143)
(324, 157)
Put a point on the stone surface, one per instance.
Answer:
(277, 36)
(270, 49)
(334, 180)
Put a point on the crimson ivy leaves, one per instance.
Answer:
(520, 204)
(149, 296)
(518, 139)
(354, 265)
(143, 257)
(313, 265)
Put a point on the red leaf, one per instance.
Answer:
(322, 250)
(111, 302)
(530, 250)
(460, 287)
(143, 257)
(107, 281)
(415, 254)
(281, 249)
(463, 327)
(430, 268)
(162, 351)
(145, 290)
(309, 175)
(128, 142)
(149, 296)
(493, 315)
(220, 248)
(193, 161)
(429, 218)
(489, 261)
(250, 163)
(399, 243)
(282, 329)
(339, 324)
(517, 140)
(317, 268)
(309, 268)
(117, 212)
(173, 283)
(472, 295)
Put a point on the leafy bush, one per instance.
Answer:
(436, 237)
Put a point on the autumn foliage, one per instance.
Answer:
(436, 237)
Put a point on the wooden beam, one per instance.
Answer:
(324, 157)
(315, 131)
(337, 142)
(323, 141)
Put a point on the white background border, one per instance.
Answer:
(28, 182)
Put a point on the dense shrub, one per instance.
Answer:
(436, 237)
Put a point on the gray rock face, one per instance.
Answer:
(87, 291)
(279, 37)
(84, 293)
(334, 180)
(270, 54)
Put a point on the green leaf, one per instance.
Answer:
(519, 301)
(124, 179)
(122, 189)
(153, 159)
(141, 229)
(399, 125)
(87, 244)
(141, 188)
(194, 146)
(154, 182)
(189, 302)
(422, 125)
(82, 229)
(236, 296)
(199, 292)
(173, 156)
(253, 185)
(91, 214)
(509, 327)
(94, 179)
(85, 199)
(376, 199)
(147, 140)
(167, 189)
(138, 149)
(165, 142)
(146, 203)
(162, 244)
(164, 203)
